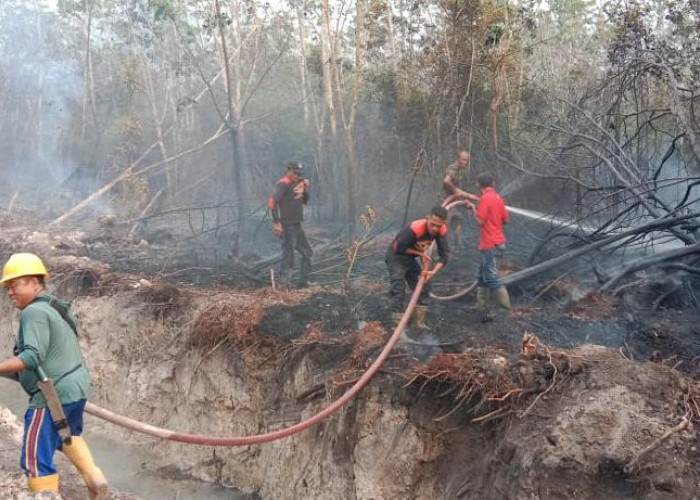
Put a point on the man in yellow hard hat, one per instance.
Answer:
(47, 353)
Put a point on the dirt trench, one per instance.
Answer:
(221, 363)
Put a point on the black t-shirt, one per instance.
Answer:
(287, 201)
(416, 236)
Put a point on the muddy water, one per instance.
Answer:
(122, 464)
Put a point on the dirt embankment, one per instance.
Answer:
(481, 423)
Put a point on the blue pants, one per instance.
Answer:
(488, 273)
(41, 439)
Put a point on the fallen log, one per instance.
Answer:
(652, 261)
(264, 264)
(547, 265)
(137, 225)
(104, 189)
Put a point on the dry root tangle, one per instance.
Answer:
(232, 319)
(486, 378)
(370, 338)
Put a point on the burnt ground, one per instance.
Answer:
(545, 305)
(672, 336)
(329, 311)
(578, 439)
(560, 308)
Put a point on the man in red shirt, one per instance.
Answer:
(411, 243)
(490, 215)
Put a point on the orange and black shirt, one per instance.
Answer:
(286, 205)
(416, 236)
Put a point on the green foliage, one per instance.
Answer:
(162, 9)
(73, 7)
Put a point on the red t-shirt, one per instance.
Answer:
(492, 210)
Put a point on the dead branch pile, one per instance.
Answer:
(485, 377)
(72, 276)
(88, 276)
(595, 305)
(475, 377)
(158, 296)
(82, 273)
(691, 401)
(283, 296)
(225, 321)
(369, 338)
(313, 334)
(232, 319)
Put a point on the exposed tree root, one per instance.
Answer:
(634, 461)
(484, 377)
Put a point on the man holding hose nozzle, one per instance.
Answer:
(411, 243)
(490, 215)
(50, 367)
(287, 208)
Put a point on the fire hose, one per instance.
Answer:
(267, 437)
(454, 296)
(160, 432)
(448, 204)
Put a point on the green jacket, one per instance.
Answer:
(45, 339)
(455, 175)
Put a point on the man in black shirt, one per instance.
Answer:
(287, 208)
(412, 242)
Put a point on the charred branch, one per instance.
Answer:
(652, 261)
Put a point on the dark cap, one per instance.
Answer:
(439, 211)
(297, 167)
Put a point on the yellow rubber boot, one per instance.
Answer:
(419, 317)
(483, 299)
(501, 297)
(79, 453)
(484, 296)
(43, 483)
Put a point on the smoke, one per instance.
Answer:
(40, 87)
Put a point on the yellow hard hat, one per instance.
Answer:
(23, 264)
